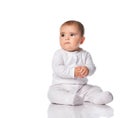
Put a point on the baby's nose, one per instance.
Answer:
(67, 37)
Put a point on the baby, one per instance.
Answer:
(71, 66)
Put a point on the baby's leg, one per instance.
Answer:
(59, 95)
(95, 95)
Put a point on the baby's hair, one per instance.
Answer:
(74, 22)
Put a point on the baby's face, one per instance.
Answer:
(70, 37)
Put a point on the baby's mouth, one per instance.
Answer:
(67, 43)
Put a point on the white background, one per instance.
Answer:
(29, 36)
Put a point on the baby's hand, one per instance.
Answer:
(81, 71)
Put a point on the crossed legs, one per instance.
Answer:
(77, 94)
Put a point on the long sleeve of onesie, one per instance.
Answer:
(89, 63)
(59, 67)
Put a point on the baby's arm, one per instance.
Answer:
(60, 68)
(90, 64)
(88, 67)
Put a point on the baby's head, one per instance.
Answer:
(71, 35)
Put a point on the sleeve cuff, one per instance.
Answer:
(72, 72)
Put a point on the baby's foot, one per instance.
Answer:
(77, 100)
(103, 98)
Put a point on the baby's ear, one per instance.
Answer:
(82, 40)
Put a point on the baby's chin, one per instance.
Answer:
(71, 50)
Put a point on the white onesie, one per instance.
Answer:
(66, 89)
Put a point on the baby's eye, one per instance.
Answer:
(72, 35)
(62, 35)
